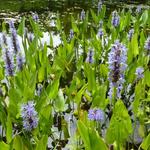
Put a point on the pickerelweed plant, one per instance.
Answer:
(100, 72)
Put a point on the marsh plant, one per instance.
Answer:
(91, 92)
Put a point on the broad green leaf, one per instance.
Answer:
(144, 18)
(52, 89)
(83, 131)
(65, 128)
(134, 45)
(9, 129)
(74, 26)
(36, 28)
(147, 77)
(99, 99)
(58, 24)
(18, 143)
(90, 73)
(120, 124)
(96, 142)
(94, 17)
(139, 94)
(42, 144)
(41, 73)
(80, 93)
(21, 28)
(59, 103)
(146, 143)
(4, 146)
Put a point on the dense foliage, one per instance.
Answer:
(91, 92)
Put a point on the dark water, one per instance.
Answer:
(48, 10)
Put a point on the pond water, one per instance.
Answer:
(48, 9)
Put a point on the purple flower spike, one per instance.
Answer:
(115, 19)
(9, 62)
(96, 114)
(20, 61)
(82, 17)
(35, 17)
(89, 58)
(29, 115)
(147, 45)
(139, 72)
(117, 65)
(130, 34)
(100, 33)
(15, 42)
(71, 34)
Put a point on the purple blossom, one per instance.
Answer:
(100, 32)
(89, 58)
(8, 57)
(147, 44)
(82, 17)
(29, 115)
(100, 5)
(96, 114)
(117, 65)
(130, 34)
(20, 61)
(30, 36)
(139, 72)
(115, 19)
(71, 34)
(9, 62)
(15, 42)
(35, 17)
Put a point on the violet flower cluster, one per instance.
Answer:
(130, 34)
(100, 30)
(35, 17)
(9, 62)
(8, 57)
(96, 115)
(71, 35)
(117, 65)
(115, 19)
(29, 115)
(89, 58)
(147, 45)
(15, 42)
(139, 72)
(82, 17)
(16, 47)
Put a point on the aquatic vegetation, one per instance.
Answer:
(29, 115)
(139, 72)
(96, 114)
(90, 91)
(115, 19)
(147, 45)
(117, 66)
